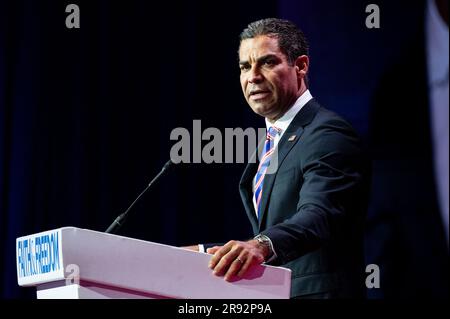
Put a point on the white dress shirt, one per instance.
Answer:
(283, 123)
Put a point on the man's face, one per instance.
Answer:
(270, 85)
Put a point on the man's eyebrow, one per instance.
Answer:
(261, 59)
(267, 57)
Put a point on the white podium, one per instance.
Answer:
(78, 263)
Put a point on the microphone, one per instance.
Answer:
(120, 220)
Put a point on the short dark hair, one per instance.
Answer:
(291, 40)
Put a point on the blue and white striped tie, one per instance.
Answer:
(263, 165)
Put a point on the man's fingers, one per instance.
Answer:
(247, 263)
(225, 262)
(236, 267)
(234, 259)
(218, 254)
(213, 250)
(223, 257)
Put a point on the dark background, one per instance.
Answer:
(86, 115)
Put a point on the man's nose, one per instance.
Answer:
(255, 76)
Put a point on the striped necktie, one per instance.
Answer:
(263, 165)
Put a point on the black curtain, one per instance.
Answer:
(86, 116)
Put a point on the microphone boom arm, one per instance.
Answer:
(120, 220)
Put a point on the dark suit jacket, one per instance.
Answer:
(313, 207)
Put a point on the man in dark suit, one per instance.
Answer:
(307, 195)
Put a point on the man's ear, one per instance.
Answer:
(302, 65)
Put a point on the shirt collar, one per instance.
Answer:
(284, 121)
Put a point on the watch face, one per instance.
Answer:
(265, 242)
(262, 240)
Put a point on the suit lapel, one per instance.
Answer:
(286, 143)
(246, 190)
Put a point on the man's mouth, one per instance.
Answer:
(258, 94)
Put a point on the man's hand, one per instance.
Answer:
(235, 257)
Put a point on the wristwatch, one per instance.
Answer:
(265, 241)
